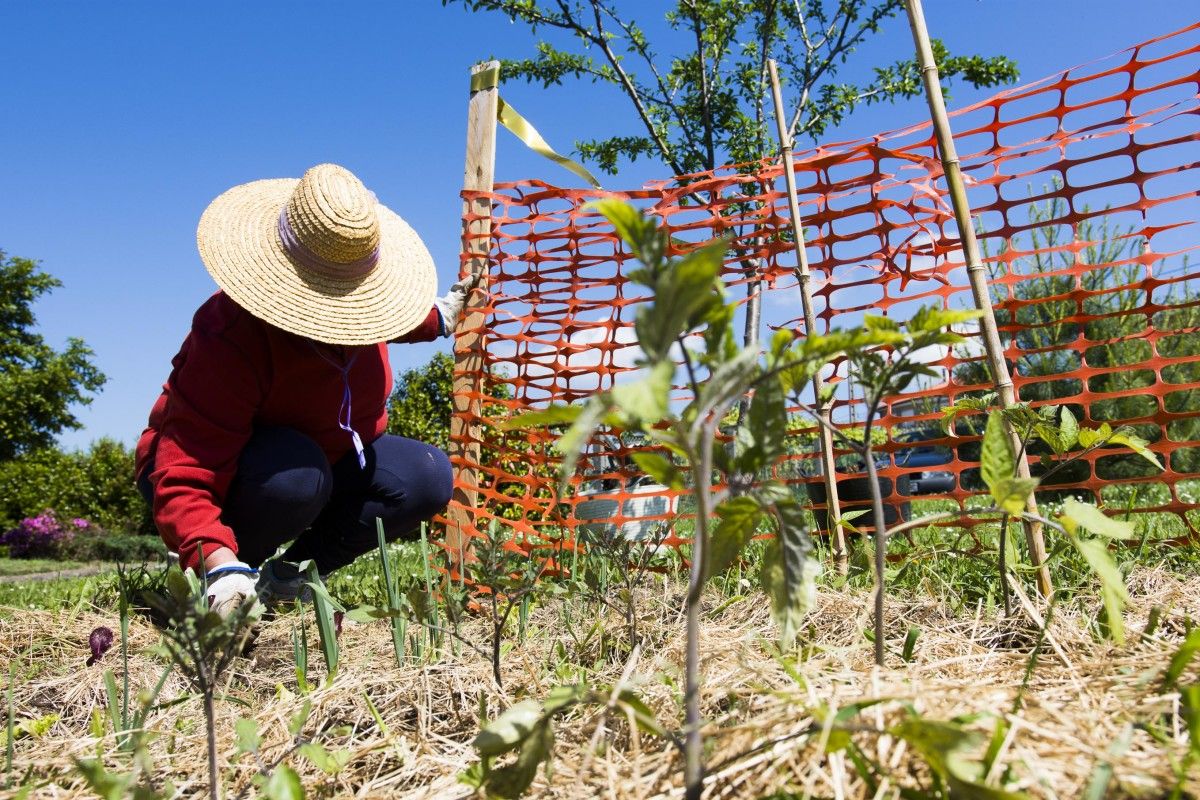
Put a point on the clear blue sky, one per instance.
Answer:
(123, 120)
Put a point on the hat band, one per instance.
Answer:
(301, 254)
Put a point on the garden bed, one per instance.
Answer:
(1082, 703)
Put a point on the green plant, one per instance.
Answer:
(1057, 429)
(399, 623)
(690, 306)
(201, 644)
(508, 575)
(327, 611)
(528, 729)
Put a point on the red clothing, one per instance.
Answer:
(234, 372)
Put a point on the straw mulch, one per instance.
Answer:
(763, 739)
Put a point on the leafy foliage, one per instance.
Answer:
(703, 103)
(38, 384)
(95, 484)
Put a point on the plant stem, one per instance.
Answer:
(694, 745)
(1004, 565)
(8, 750)
(881, 536)
(210, 726)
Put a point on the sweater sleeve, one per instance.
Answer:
(215, 392)
(427, 331)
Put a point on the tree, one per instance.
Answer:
(708, 103)
(38, 385)
(1040, 317)
(420, 405)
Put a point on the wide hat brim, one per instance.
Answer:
(240, 246)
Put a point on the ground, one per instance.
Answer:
(1055, 707)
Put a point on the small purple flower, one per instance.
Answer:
(81, 523)
(337, 624)
(99, 640)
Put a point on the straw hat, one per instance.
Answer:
(319, 257)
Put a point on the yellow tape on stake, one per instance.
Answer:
(508, 116)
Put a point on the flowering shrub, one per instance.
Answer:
(43, 536)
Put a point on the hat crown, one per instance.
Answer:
(333, 216)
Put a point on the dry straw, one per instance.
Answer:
(318, 257)
(1082, 697)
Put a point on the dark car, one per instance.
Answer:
(926, 481)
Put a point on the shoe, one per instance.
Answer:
(280, 582)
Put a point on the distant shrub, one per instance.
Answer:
(96, 484)
(42, 536)
(49, 535)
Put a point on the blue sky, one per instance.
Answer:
(122, 121)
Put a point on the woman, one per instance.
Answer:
(270, 428)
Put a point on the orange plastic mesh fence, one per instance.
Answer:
(1086, 191)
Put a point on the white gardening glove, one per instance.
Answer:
(451, 304)
(230, 585)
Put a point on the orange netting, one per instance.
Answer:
(1086, 190)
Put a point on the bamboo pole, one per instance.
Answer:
(465, 433)
(1001, 378)
(804, 278)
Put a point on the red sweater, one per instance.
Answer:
(233, 372)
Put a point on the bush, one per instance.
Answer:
(48, 535)
(42, 536)
(96, 484)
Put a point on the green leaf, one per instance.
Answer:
(512, 781)
(509, 729)
(934, 319)
(1068, 428)
(1098, 781)
(788, 574)
(645, 401)
(1112, 583)
(542, 418)
(660, 468)
(997, 461)
(1011, 494)
(942, 745)
(571, 443)
(284, 784)
(1095, 436)
(643, 715)
(248, 738)
(1087, 516)
(762, 437)
(331, 763)
(299, 719)
(1137, 445)
(637, 230)
(737, 521)
(323, 607)
(1180, 660)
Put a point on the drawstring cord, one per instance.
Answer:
(344, 413)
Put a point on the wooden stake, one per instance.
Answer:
(469, 345)
(804, 278)
(1001, 378)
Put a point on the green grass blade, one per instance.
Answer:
(323, 607)
(8, 749)
(114, 708)
(393, 595)
(435, 638)
(1097, 785)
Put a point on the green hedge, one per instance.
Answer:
(96, 484)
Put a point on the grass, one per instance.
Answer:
(32, 566)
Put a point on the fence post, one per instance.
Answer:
(804, 278)
(465, 431)
(1001, 377)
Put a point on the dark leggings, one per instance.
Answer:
(286, 491)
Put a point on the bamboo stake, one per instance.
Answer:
(1001, 378)
(804, 278)
(465, 434)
